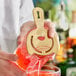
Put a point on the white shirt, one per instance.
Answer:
(13, 13)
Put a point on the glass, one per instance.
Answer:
(45, 71)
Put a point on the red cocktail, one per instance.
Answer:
(46, 71)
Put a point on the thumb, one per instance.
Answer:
(8, 56)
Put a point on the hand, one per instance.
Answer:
(22, 49)
(7, 65)
(24, 30)
(30, 25)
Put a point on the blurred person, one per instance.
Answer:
(14, 15)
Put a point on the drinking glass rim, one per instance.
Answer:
(47, 71)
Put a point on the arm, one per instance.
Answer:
(26, 8)
(7, 65)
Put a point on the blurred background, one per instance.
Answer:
(63, 14)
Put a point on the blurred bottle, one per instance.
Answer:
(74, 48)
(62, 21)
(61, 57)
(63, 32)
(68, 43)
(72, 32)
(72, 28)
(68, 68)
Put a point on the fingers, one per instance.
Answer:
(16, 70)
(30, 25)
(27, 26)
(8, 56)
(9, 68)
(51, 28)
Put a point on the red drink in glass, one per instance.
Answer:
(46, 71)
